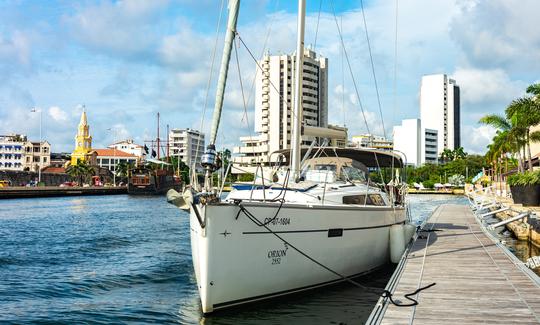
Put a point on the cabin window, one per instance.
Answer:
(372, 199)
(325, 167)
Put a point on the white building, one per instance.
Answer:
(440, 109)
(273, 105)
(417, 144)
(130, 147)
(371, 141)
(12, 152)
(187, 144)
(109, 158)
(17, 153)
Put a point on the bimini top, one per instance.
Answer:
(369, 157)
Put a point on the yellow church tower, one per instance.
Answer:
(83, 142)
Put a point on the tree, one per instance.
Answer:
(122, 169)
(526, 111)
(447, 155)
(459, 153)
(182, 170)
(81, 171)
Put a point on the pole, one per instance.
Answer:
(297, 112)
(158, 136)
(168, 139)
(114, 155)
(40, 146)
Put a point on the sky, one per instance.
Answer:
(125, 61)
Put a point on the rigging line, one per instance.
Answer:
(350, 68)
(270, 26)
(243, 95)
(288, 105)
(372, 66)
(210, 77)
(317, 28)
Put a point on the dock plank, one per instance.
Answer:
(476, 281)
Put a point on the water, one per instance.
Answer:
(122, 259)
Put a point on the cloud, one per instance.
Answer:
(15, 49)
(57, 114)
(124, 28)
(478, 138)
(499, 33)
(486, 86)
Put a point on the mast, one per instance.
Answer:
(208, 159)
(158, 136)
(297, 111)
(224, 69)
(167, 154)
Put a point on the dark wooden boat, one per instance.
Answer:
(147, 181)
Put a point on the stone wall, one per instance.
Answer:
(18, 178)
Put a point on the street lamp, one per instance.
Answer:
(35, 110)
(114, 153)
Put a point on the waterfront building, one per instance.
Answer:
(273, 106)
(83, 143)
(440, 109)
(372, 141)
(188, 145)
(130, 147)
(12, 152)
(109, 158)
(418, 145)
(37, 155)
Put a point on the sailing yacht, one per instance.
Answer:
(316, 221)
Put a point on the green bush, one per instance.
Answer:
(428, 183)
(524, 179)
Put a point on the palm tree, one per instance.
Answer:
(459, 153)
(123, 168)
(527, 112)
(81, 171)
(447, 155)
(513, 133)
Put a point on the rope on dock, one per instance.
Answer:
(388, 294)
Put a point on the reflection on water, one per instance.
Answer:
(114, 259)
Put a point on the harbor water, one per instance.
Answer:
(121, 259)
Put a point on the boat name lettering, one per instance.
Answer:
(278, 221)
(277, 253)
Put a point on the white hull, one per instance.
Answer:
(237, 261)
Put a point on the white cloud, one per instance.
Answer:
(486, 86)
(475, 139)
(495, 33)
(17, 48)
(57, 114)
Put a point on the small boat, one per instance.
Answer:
(148, 181)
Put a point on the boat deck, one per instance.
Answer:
(477, 280)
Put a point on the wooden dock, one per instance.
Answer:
(477, 279)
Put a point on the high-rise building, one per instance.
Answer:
(440, 109)
(417, 144)
(83, 142)
(187, 144)
(274, 104)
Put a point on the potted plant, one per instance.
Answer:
(525, 188)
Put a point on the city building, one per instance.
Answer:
(188, 144)
(37, 155)
(17, 153)
(440, 109)
(109, 158)
(130, 147)
(12, 152)
(274, 104)
(418, 145)
(83, 143)
(371, 141)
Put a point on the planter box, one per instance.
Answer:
(526, 195)
(517, 194)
